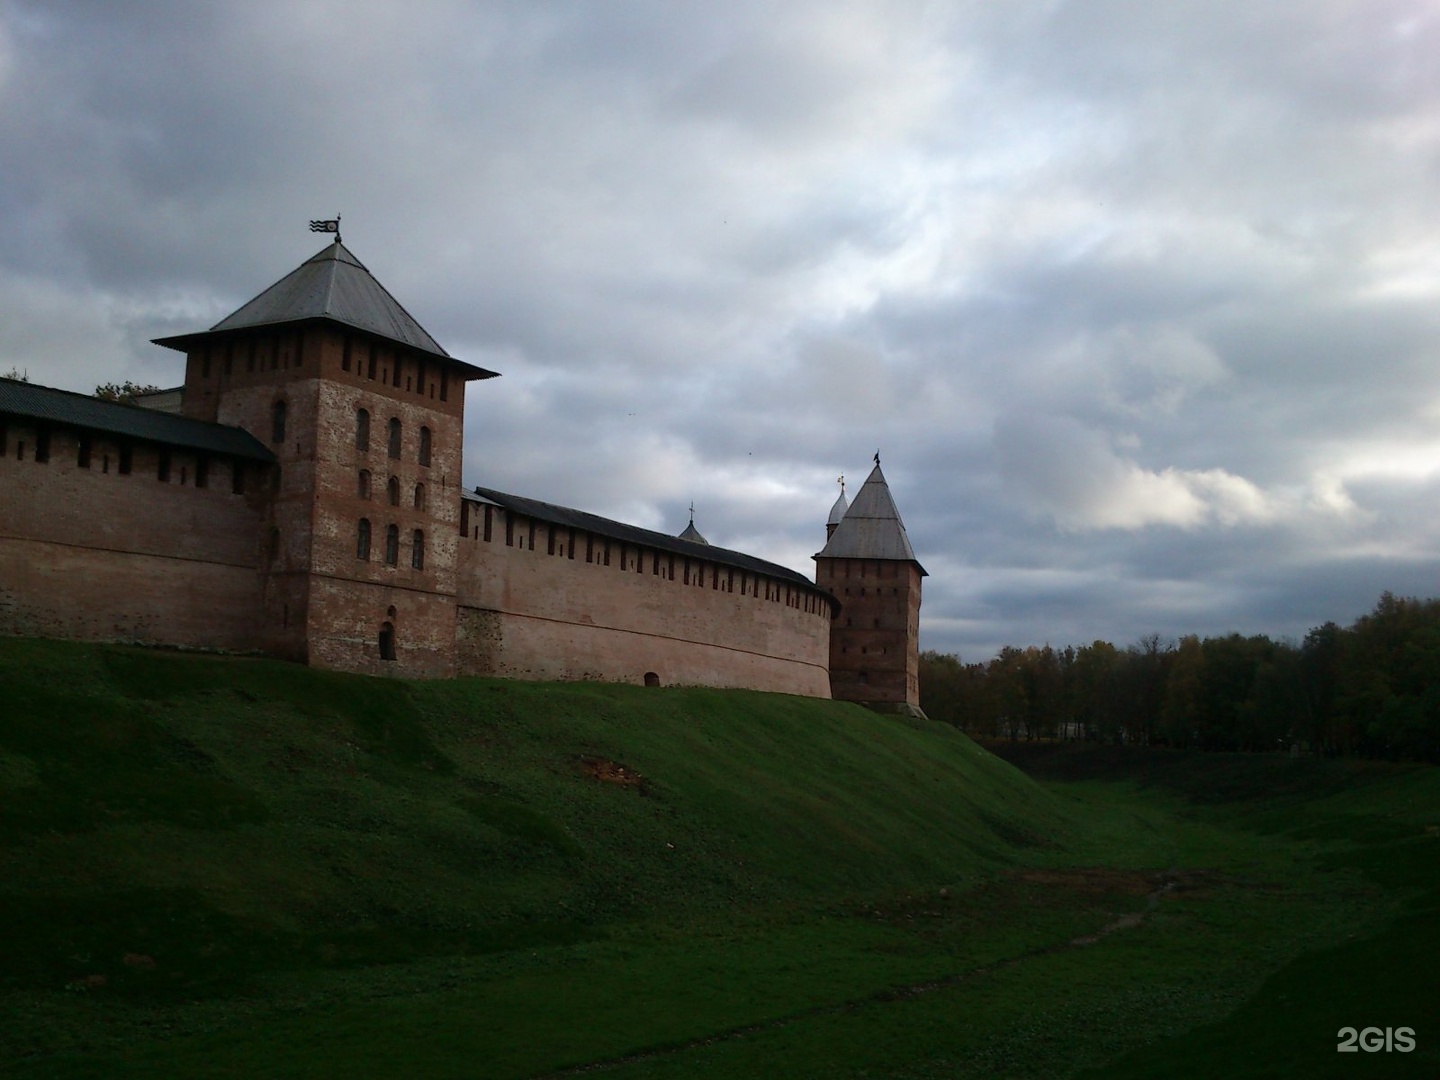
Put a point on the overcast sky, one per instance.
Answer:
(1139, 301)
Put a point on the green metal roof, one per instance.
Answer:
(62, 407)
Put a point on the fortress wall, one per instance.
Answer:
(528, 613)
(96, 554)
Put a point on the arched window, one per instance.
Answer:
(362, 488)
(425, 446)
(362, 429)
(392, 545)
(362, 540)
(419, 496)
(387, 641)
(417, 550)
(277, 422)
(394, 437)
(392, 490)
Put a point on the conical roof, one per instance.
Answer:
(333, 285)
(871, 527)
(693, 534)
(837, 512)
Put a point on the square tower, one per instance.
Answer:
(365, 413)
(868, 565)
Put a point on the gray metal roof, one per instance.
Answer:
(336, 286)
(871, 528)
(631, 534)
(693, 534)
(82, 411)
(837, 512)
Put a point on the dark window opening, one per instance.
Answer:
(362, 429)
(419, 496)
(163, 471)
(392, 491)
(277, 422)
(370, 368)
(202, 471)
(652, 679)
(394, 448)
(345, 354)
(425, 446)
(489, 522)
(444, 385)
(417, 550)
(229, 362)
(387, 641)
(82, 456)
(362, 540)
(237, 474)
(250, 355)
(42, 444)
(205, 363)
(392, 545)
(362, 484)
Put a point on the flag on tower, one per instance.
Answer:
(330, 225)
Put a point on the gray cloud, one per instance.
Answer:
(1137, 300)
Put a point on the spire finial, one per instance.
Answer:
(841, 481)
(877, 457)
(692, 511)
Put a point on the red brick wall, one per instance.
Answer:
(874, 641)
(97, 555)
(526, 613)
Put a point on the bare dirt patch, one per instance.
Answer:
(611, 772)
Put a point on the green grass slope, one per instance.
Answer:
(184, 828)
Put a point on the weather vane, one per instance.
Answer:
(877, 457)
(327, 225)
(841, 481)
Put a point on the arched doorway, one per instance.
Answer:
(387, 641)
(651, 679)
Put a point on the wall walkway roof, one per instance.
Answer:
(130, 421)
(631, 534)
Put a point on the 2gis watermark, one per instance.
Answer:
(1373, 1040)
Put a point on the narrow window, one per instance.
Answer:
(345, 354)
(425, 446)
(205, 363)
(489, 523)
(387, 641)
(420, 376)
(42, 444)
(127, 453)
(392, 491)
(362, 429)
(299, 348)
(362, 487)
(444, 385)
(417, 550)
(370, 368)
(250, 355)
(277, 422)
(82, 457)
(392, 545)
(229, 362)
(550, 540)
(237, 473)
(509, 530)
(163, 471)
(398, 361)
(394, 438)
(362, 540)
(202, 471)
(464, 517)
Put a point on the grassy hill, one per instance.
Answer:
(235, 867)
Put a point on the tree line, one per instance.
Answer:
(1368, 690)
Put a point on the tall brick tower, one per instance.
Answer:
(868, 564)
(365, 413)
